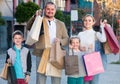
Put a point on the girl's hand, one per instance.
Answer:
(27, 78)
(83, 48)
(90, 46)
(70, 46)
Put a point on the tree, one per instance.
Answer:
(2, 21)
(25, 10)
(63, 17)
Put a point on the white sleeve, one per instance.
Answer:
(101, 36)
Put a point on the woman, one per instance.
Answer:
(88, 38)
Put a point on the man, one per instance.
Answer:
(57, 33)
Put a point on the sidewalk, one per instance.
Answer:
(111, 76)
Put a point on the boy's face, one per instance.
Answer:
(18, 40)
(88, 22)
(75, 44)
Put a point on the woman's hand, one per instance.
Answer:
(102, 24)
(27, 78)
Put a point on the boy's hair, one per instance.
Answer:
(88, 15)
(17, 32)
(74, 37)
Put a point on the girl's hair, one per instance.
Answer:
(74, 37)
(17, 32)
(88, 15)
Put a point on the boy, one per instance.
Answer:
(20, 58)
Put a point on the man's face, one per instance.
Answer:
(50, 11)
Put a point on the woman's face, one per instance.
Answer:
(88, 22)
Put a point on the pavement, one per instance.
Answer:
(110, 76)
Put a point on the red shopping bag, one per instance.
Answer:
(88, 78)
(93, 63)
(112, 40)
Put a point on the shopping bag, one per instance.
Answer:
(3, 74)
(57, 56)
(112, 40)
(88, 78)
(43, 61)
(93, 63)
(107, 49)
(11, 75)
(53, 71)
(44, 39)
(71, 64)
(33, 35)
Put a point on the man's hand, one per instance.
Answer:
(57, 40)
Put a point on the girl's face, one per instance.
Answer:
(17, 39)
(75, 44)
(88, 22)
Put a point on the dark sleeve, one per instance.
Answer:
(29, 63)
(7, 57)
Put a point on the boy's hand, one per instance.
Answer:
(27, 78)
(9, 60)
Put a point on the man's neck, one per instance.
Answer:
(50, 19)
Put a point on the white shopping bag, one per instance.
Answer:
(33, 35)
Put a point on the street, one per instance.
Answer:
(111, 76)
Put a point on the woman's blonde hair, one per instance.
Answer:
(88, 15)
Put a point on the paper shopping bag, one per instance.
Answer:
(53, 71)
(44, 39)
(112, 40)
(33, 35)
(57, 56)
(71, 64)
(4, 72)
(107, 48)
(43, 61)
(93, 63)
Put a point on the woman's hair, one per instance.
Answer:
(74, 37)
(17, 32)
(88, 15)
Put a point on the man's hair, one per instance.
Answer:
(17, 32)
(51, 3)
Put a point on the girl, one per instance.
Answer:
(20, 58)
(75, 46)
(88, 38)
